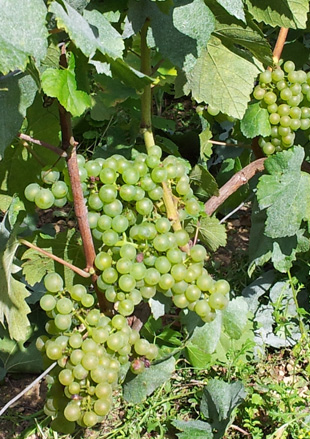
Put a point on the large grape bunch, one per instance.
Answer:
(137, 210)
(90, 349)
(141, 250)
(286, 95)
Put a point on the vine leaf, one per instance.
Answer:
(235, 317)
(65, 245)
(13, 306)
(21, 356)
(281, 298)
(90, 32)
(193, 429)
(289, 13)
(112, 93)
(223, 77)
(61, 84)
(138, 387)
(180, 33)
(255, 121)
(205, 145)
(210, 231)
(203, 342)
(234, 7)
(203, 180)
(248, 36)
(17, 45)
(257, 289)
(281, 251)
(218, 401)
(285, 193)
(17, 92)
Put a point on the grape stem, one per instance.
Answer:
(53, 148)
(146, 127)
(172, 213)
(146, 98)
(235, 427)
(239, 179)
(277, 51)
(196, 233)
(237, 145)
(83, 321)
(55, 258)
(33, 153)
(69, 144)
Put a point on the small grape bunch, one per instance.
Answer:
(285, 93)
(51, 192)
(89, 349)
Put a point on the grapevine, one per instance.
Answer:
(141, 252)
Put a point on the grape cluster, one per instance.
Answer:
(90, 349)
(141, 251)
(51, 192)
(286, 95)
(137, 211)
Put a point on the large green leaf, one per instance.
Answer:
(138, 387)
(17, 92)
(283, 13)
(128, 74)
(255, 121)
(179, 34)
(90, 32)
(258, 288)
(248, 35)
(285, 193)
(61, 84)
(110, 41)
(269, 332)
(219, 399)
(23, 33)
(223, 77)
(13, 306)
(281, 251)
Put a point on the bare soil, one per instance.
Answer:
(17, 418)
